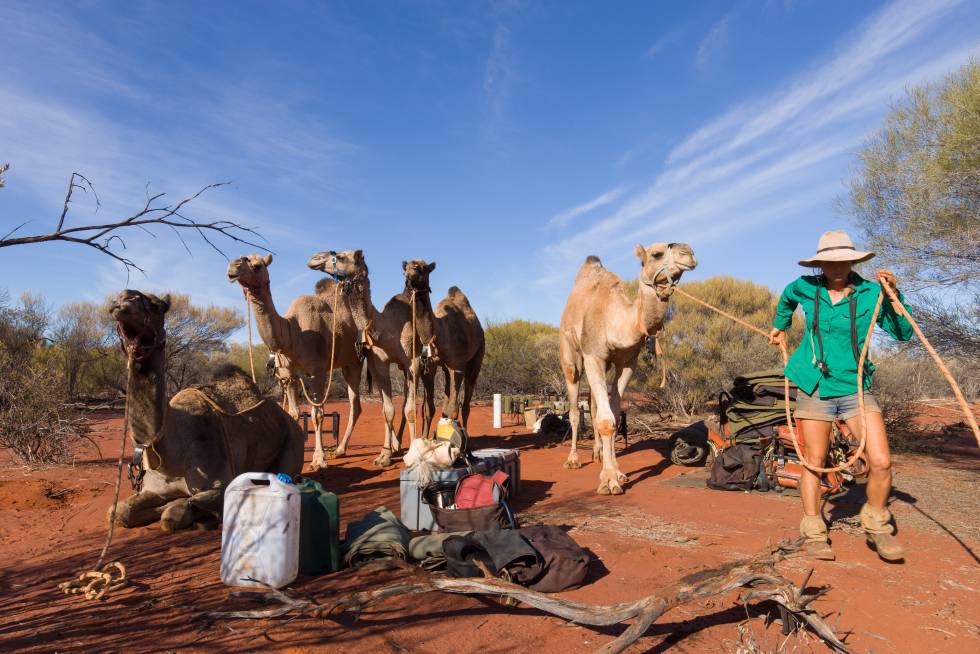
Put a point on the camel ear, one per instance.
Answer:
(404, 265)
(267, 259)
(430, 267)
(165, 303)
(358, 255)
(641, 253)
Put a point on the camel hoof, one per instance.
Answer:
(382, 461)
(572, 463)
(319, 461)
(339, 453)
(603, 488)
(621, 477)
(615, 488)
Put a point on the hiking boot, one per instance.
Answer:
(880, 532)
(814, 530)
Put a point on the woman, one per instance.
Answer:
(838, 305)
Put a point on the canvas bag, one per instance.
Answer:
(736, 468)
(480, 502)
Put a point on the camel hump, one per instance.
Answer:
(323, 285)
(457, 297)
(590, 268)
(593, 259)
(230, 387)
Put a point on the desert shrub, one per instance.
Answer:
(704, 350)
(521, 357)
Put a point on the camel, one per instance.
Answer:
(601, 329)
(189, 450)
(390, 332)
(459, 337)
(303, 336)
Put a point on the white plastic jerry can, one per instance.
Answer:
(260, 531)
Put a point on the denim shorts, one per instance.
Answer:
(812, 407)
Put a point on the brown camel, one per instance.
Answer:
(461, 344)
(390, 331)
(601, 329)
(304, 336)
(190, 449)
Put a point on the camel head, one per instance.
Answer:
(139, 320)
(662, 264)
(251, 271)
(339, 265)
(417, 274)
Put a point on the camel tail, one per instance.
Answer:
(370, 381)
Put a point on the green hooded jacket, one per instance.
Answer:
(835, 330)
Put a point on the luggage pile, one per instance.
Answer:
(750, 447)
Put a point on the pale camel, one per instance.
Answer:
(194, 446)
(461, 344)
(602, 329)
(390, 331)
(303, 336)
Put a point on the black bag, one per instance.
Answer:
(736, 468)
(565, 563)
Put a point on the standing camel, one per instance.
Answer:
(188, 451)
(601, 329)
(390, 331)
(461, 344)
(305, 337)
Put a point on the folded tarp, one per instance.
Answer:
(378, 535)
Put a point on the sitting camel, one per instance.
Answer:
(601, 329)
(189, 450)
(389, 331)
(305, 337)
(461, 344)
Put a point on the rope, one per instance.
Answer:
(789, 417)
(970, 418)
(415, 385)
(248, 314)
(659, 351)
(99, 582)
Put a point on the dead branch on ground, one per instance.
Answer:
(758, 574)
(155, 213)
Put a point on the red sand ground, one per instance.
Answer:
(52, 526)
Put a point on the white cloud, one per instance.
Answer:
(780, 153)
(563, 218)
(713, 42)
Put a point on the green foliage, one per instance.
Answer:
(917, 195)
(916, 201)
(704, 350)
(521, 357)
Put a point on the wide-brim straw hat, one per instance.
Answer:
(836, 246)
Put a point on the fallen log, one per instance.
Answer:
(758, 574)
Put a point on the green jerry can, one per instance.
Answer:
(319, 529)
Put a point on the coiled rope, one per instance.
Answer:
(98, 582)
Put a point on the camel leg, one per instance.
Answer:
(403, 421)
(596, 441)
(352, 375)
(292, 398)
(411, 386)
(620, 381)
(141, 509)
(382, 379)
(319, 460)
(572, 379)
(604, 425)
(470, 377)
(452, 382)
(429, 403)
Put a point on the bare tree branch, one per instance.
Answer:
(757, 573)
(102, 238)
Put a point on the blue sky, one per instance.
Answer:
(505, 141)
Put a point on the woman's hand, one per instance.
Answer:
(888, 277)
(777, 337)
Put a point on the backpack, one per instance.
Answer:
(736, 468)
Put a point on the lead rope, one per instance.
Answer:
(415, 385)
(248, 314)
(789, 417)
(333, 346)
(970, 418)
(98, 582)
